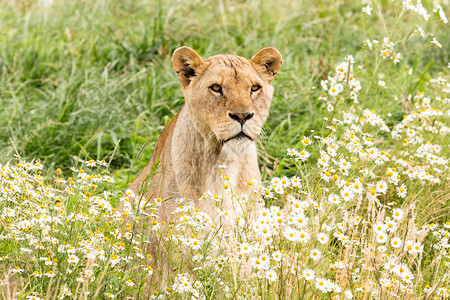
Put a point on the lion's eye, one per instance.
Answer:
(255, 87)
(216, 88)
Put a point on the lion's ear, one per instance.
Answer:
(186, 61)
(268, 60)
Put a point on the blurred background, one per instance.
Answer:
(93, 79)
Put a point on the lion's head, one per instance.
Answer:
(228, 96)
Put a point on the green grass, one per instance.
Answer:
(89, 76)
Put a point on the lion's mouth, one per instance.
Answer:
(241, 135)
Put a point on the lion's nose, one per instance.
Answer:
(241, 117)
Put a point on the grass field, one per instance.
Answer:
(82, 76)
(82, 80)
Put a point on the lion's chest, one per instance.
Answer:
(238, 167)
(197, 163)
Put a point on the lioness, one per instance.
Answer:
(227, 103)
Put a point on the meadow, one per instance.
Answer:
(354, 155)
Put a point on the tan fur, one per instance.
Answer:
(194, 143)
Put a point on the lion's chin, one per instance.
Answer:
(238, 146)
